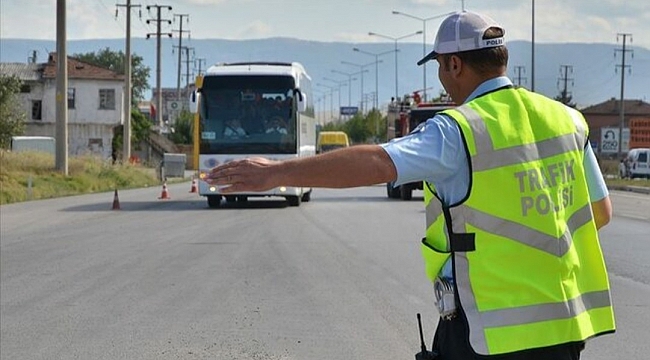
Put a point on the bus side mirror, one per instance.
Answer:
(195, 97)
(302, 102)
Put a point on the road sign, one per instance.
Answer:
(173, 105)
(609, 138)
(349, 110)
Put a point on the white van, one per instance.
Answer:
(33, 143)
(639, 163)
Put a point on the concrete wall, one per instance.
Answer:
(83, 139)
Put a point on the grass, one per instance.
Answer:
(612, 179)
(85, 175)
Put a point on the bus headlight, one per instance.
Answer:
(283, 189)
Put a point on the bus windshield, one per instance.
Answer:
(245, 114)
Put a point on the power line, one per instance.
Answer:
(108, 11)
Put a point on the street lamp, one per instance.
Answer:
(376, 55)
(395, 39)
(321, 97)
(339, 84)
(331, 89)
(362, 70)
(349, 75)
(424, 42)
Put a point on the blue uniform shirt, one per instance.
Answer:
(434, 152)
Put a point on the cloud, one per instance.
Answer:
(85, 24)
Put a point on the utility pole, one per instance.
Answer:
(126, 134)
(32, 59)
(623, 51)
(519, 69)
(158, 33)
(532, 48)
(199, 61)
(187, 69)
(186, 75)
(61, 99)
(180, 45)
(564, 77)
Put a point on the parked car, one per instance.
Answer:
(639, 160)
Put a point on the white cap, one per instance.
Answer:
(463, 31)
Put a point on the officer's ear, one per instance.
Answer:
(455, 64)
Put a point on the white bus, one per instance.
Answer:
(253, 109)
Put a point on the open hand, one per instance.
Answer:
(252, 174)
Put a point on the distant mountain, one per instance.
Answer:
(594, 78)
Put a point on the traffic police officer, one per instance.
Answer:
(513, 197)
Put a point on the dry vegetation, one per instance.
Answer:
(85, 175)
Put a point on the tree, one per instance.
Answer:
(140, 128)
(114, 60)
(361, 128)
(565, 99)
(12, 119)
(183, 128)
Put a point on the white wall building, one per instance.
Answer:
(95, 103)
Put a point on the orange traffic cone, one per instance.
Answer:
(165, 193)
(116, 201)
(193, 189)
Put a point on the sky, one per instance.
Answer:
(556, 21)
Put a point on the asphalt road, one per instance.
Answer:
(340, 277)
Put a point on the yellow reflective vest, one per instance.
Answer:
(528, 267)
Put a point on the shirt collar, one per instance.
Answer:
(489, 85)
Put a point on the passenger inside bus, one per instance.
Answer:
(251, 119)
(276, 125)
(233, 129)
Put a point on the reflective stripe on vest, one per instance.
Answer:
(545, 220)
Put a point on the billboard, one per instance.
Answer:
(640, 133)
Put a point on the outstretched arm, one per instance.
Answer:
(348, 167)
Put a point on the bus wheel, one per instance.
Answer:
(306, 196)
(293, 200)
(214, 201)
(230, 198)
